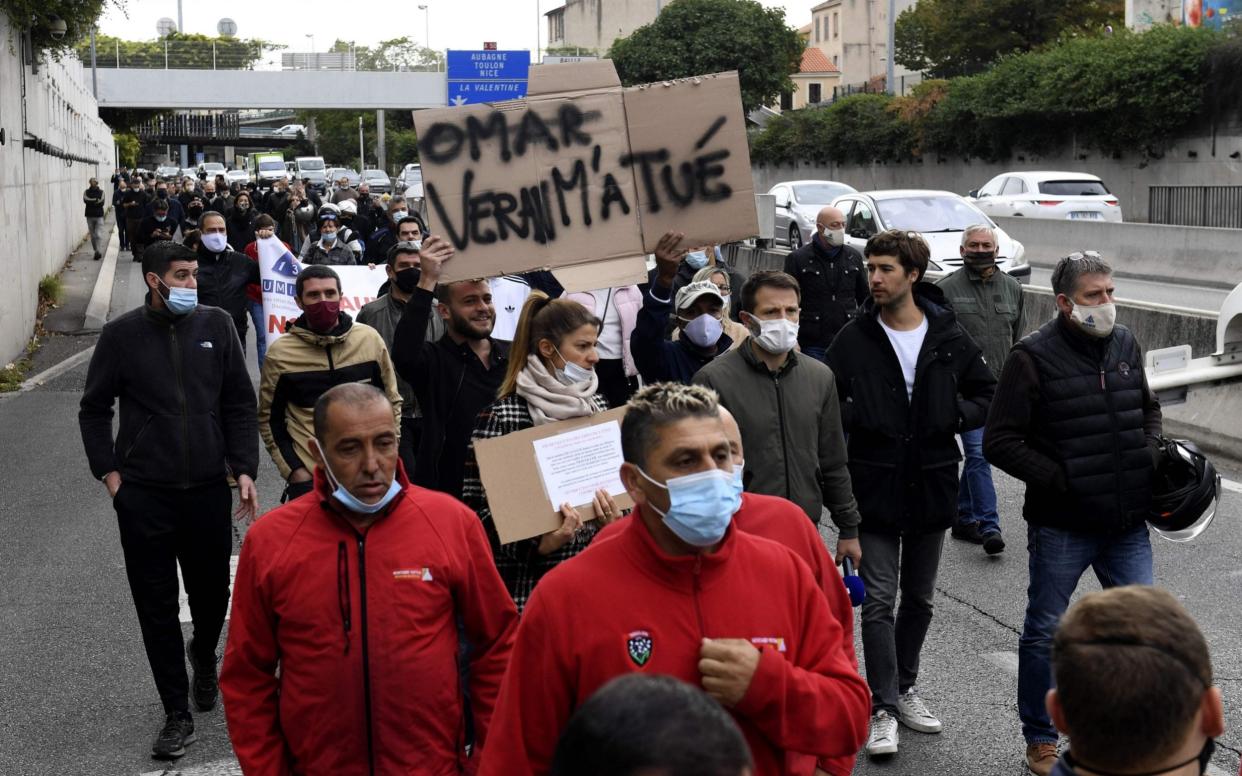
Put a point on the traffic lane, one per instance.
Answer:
(80, 698)
(968, 673)
(1172, 294)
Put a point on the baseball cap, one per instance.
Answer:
(691, 292)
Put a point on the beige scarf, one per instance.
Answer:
(549, 399)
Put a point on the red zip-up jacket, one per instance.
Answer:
(342, 650)
(785, 523)
(624, 605)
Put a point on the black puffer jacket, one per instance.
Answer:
(834, 286)
(902, 452)
(222, 281)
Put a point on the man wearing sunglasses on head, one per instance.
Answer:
(1074, 418)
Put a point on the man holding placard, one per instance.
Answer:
(680, 591)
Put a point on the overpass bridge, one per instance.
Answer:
(263, 89)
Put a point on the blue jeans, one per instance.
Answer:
(976, 496)
(1058, 559)
(260, 330)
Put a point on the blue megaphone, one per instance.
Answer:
(854, 584)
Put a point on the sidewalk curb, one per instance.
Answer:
(52, 372)
(101, 297)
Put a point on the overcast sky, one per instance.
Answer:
(456, 24)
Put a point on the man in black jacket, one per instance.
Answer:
(833, 281)
(455, 377)
(910, 379)
(1075, 420)
(224, 273)
(94, 199)
(187, 422)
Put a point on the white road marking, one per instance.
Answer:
(1236, 487)
(1005, 661)
(184, 600)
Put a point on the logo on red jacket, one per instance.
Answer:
(638, 645)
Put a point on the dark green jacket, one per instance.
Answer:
(791, 431)
(989, 310)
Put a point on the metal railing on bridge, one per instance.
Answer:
(1219, 206)
(219, 126)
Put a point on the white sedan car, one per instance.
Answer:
(237, 176)
(1060, 195)
(939, 217)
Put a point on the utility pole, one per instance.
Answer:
(890, 85)
(381, 157)
(94, 82)
(538, 29)
(180, 24)
(362, 156)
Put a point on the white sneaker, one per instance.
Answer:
(882, 740)
(913, 713)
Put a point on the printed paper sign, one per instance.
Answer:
(576, 464)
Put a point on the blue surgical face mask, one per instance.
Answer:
(398, 216)
(738, 485)
(571, 373)
(700, 505)
(180, 300)
(697, 259)
(328, 237)
(349, 500)
(161, 219)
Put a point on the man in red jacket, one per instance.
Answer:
(785, 523)
(343, 644)
(681, 592)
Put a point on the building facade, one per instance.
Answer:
(591, 26)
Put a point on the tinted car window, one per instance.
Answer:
(862, 218)
(818, 193)
(1072, 188)
(1013, 186)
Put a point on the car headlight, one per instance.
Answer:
(1019, 255)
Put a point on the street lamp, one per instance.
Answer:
(427, 23)
(311, 35)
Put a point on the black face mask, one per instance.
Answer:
(162, 193)
(979, 260)
(194, 212)
(1204, 757)
(407, 279)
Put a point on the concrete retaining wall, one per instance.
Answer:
(1191, 255)
(1128, 178)
(42, 214)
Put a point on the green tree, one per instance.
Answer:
(128, 148)
(395, 54)
(694, 37)
(945, 38)
(177, 51)
(78, 15)
(336, 135)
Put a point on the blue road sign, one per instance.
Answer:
(486, 76)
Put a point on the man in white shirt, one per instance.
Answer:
(909, 380)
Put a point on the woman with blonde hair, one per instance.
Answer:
(551, 376)
(719, 277)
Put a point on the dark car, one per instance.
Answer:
(378, 180)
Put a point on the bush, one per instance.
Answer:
(1118, 94)
(51, 290)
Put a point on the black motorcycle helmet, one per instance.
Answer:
(1185, 491)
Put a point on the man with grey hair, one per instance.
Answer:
(343, 641)
(1074, 418)
(988, 304)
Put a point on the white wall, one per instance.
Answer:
(41, 209)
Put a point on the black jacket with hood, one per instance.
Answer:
(902, 450)
(222, 281)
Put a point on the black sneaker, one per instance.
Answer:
(967, 532)
(98, 256)
(993, 544)
(177, 733)
(203, 683)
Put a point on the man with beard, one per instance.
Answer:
(454, 377)
(322, 348)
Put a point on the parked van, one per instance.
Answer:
(312, 169)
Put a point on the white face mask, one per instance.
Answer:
(571, 373)
(704, 330)
(1097, 320)
(834, 238)
(776, 336)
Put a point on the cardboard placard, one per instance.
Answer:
(515, 490)
(582, 171)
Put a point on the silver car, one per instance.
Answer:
(797, 205)
(939, 217)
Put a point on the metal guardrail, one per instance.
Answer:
(216, 126)
(1215, 206)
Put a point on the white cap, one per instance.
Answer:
(691, 292)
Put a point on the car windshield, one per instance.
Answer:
(928, 214)
(818, 193)
(375, 174)
(1072, 188)
(413, 175)
(213, 166)
(310, 164)
(272, 165)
